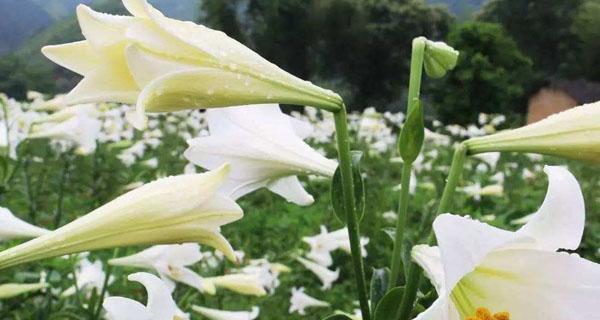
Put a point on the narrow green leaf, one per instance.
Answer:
(412, 134)
(379, 286)
(388, 306)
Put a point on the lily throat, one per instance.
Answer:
(485, 314)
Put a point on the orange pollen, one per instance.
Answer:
(485, 314)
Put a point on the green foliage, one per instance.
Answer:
(541, 28)
(379, 286)
(17, 76)
(412, 134)
(389, 304)
(492, 75)
(337, 191)
(358, 48)
(587, 29)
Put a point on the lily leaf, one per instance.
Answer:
(412, 134)
(379, 286)
(337, 190)
(389, 304)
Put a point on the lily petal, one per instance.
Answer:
(560, 221)
(464, 243)
(160, 303)
(119, 308)
(292, 190)
(430, 259)
(77, 56)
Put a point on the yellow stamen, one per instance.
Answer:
(485, 314)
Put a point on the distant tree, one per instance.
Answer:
(17, 76)
(492, 75)
(587, 29)
(222, 15)
(359, 47)
(541, 28)
(283, 32)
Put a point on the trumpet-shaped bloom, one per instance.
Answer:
(573, 134)
(80, 129)
(169, 261)
(175, 209)
(267, 273)
(477, 268)
(300, 301)
(160, 304)
(12, 227)
(265, 149)
(214, 314)
(161, 64)
(10, 290)
(476, 191)
(326, 276)
(322, 244)
(248, 284)
(89, 276)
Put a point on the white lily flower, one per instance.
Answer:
(160, 304)
(87, 109)
(89, 276)
(248, 284)
(185, 208)
(80, 129)
(572, 134)
(519, 275)
(271, 156)
(11, 290)
(214, 314)
(322, 244)
(491, 158)
(12, 227)
(476, 191)
(164, 65)
(169, 261)
(300, 301)
(326, 276)
(267, 275)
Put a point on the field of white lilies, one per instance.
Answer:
(66, 161)
(177, 181)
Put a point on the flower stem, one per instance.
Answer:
(61, 191)
(414, 275)
(414, 92)
(109, 271)
(400, 226)
(341, 128)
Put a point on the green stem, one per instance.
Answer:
(109, 270)
(7, 132)
(30, 197)
(341, 128)
(414, 91)
(61, 191)
(400, 226)
(416, 72)
(414, 275)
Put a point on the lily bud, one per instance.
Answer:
(439, 58)
(572, 134)
(162, 65)
(185, 208)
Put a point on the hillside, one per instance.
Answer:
(23, 19)
(37, 22)
(462, 9)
